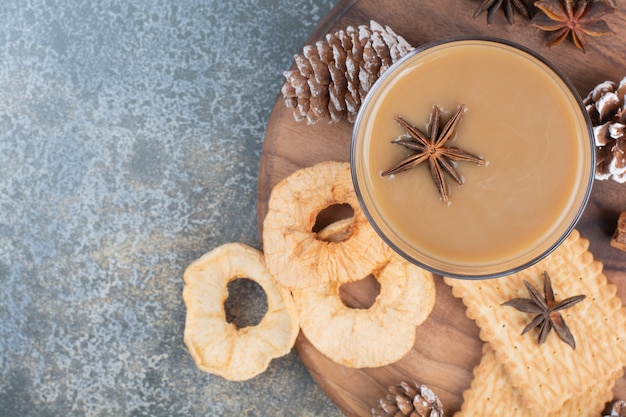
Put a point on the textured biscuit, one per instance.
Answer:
(548, 375)
(491, 394)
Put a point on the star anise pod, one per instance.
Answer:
(431, 148)
(491, 6)
(548, 316)
(578, 17)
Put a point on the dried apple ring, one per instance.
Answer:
(219, 347)
(295, 255)
(337, 231)
(376, 336)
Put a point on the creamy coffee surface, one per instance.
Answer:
(520, 118)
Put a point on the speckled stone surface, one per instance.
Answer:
(130, 138)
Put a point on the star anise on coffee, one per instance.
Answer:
(547, 310)
(578, 17)
(491, 6)
(432, 149)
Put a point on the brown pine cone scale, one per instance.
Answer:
(606, 106)
(332, 77)
(409, 400)
(618, 409)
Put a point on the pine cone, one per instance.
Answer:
(333, 76)
(607, 109)
(618, 409)
(409, 400)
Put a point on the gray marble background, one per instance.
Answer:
(130, 138)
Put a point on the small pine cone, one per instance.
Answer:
(606, 107)
(409, 400)
(332, 77)
(618, 409)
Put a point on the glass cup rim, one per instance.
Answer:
(459, 39)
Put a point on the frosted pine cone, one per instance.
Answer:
(607, 109)
(410, 400)
(618, 409)
(332, 77)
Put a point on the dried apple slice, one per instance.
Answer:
(376, 336)
(296, 256)
(219, 347)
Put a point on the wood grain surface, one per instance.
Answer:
(447, 346)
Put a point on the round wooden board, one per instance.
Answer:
(447, 347)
